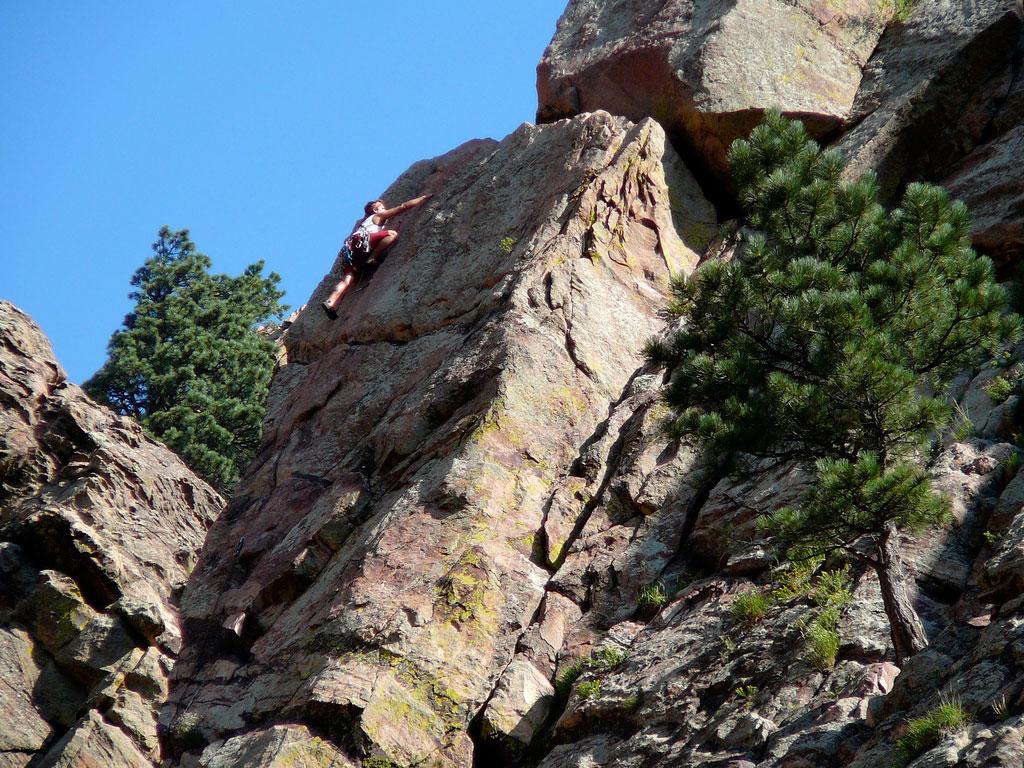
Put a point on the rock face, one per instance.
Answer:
(374, 576)
(940, 83)
(707, 70)
(98, 526)
(467, 539)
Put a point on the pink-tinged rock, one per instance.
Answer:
(23, 729)
(94, 743)
(970, 476)
(726, 527)
(707, 71)
(1009, 505)
(934, 86)
(640, 491)
(99, 526)
(382, 561)
(878, 679)
(989, 182)
(1003, 573)
(280, 746)
(520, 704)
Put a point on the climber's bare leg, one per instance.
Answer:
(331, 304)
(381, 241)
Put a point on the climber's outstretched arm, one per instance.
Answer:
(384, 215)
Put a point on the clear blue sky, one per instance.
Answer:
(261, 126)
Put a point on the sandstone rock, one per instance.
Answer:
(916, 112)
(726, 525)
(56, 610)
(989, 418)
(708, 70)
(988, 182)
(1003, 574)
(281, 746)
(101, 646)
(970, 475)
(520, 704)
(23, 729)
(93, 743)
(96, 521)
(382, 560)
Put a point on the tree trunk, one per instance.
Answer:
(908, 635)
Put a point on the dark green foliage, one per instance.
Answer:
(188, 364)
(815, 344)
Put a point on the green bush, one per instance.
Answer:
(830, 588)
(507, 244)
(902, 10)
(565, 681)
(606, 657)
(651, 598)
(750, 607)
(1011, 466)
(999, 389)
(747, 694)
(589, 688)
(795, 579)
(925, 732)
(823, 639)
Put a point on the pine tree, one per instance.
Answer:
(188, 364)
(820, 344)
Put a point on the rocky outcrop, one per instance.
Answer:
(467, 538)
(99, 525)
(939, 84)
(707, 71)
(375, 575)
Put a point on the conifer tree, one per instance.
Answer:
(188, 364)
(820, 344)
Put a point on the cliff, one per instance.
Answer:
(466, 539)
(99, 528)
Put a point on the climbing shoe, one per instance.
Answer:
(329, 310)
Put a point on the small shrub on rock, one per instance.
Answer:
(823, 639)
(565, 681)
(750, 607)
(651, 598)
(999, 389)
(925, 732)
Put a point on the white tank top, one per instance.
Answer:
(368, 226)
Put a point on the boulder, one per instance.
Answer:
(707, 71)
(989, 182)
(521, 703)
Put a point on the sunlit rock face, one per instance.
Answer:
(387, 553)
(467, 539)
(708, 70)
(99, 526)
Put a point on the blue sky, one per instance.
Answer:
(261, 126)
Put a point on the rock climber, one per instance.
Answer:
(366, 245)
